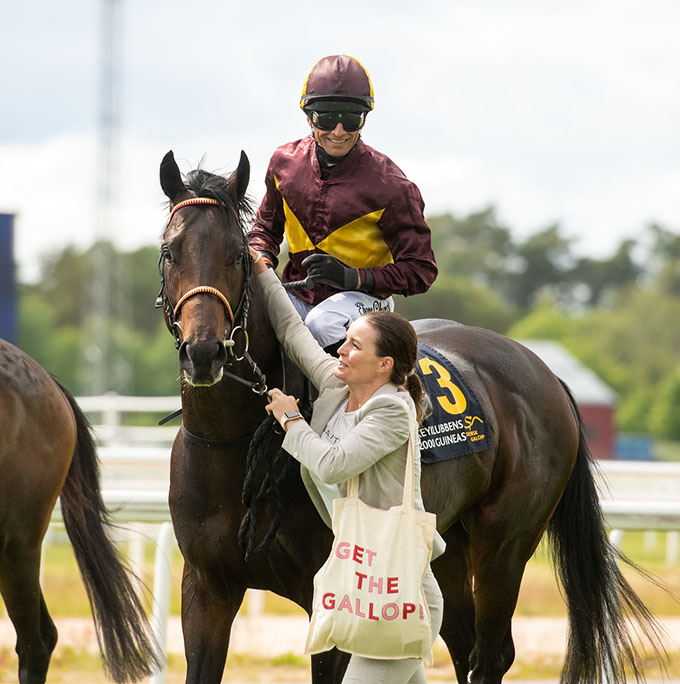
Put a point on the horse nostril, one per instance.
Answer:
(184, 357)
(203, 359)
(221, 355)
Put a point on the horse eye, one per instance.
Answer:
(167, 254)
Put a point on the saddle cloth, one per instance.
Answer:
(457, 425)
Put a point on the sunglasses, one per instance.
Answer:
(327, 121)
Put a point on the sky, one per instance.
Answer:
(551, 112)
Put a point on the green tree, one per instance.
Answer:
(476, 246)
(602, 277)
(458, 299)
(64, 284)
(664, 258)
(540, 265)
(631, 345)
(544, 321)
(56, 318)
(664, 418)
(36, 326)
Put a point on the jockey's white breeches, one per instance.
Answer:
(329, 320)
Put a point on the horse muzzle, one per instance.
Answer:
(202, 361)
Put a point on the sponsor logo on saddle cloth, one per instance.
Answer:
(457, 425)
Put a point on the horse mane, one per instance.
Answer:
(212, 185)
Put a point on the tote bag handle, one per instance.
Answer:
(409, 474)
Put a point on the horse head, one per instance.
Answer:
(204, 267)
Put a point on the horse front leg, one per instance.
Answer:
(207, 619)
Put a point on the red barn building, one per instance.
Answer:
(595, 399)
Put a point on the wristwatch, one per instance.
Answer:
(289, 415)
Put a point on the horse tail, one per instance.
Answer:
(120, 621)
(600, 647)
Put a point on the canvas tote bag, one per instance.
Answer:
(368, 595)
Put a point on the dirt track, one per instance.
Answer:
(271, 636)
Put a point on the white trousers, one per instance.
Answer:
(408, 670)
(329, 320)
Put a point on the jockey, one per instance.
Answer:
(353, 222)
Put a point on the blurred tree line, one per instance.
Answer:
(618, 314)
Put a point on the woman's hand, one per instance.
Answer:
(259, 264)
(279, 403)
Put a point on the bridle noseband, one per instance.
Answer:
(172, 312)
(204, 289)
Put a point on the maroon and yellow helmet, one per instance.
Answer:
(337, 83)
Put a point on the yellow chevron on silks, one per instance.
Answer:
(298, 240)
(359, 243)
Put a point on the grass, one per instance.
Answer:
(539, 596)
(667, 451)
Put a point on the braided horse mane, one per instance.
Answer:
(261, 486)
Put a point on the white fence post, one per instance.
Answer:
(672, 548)
(161, 597)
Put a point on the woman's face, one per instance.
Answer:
(359, 363)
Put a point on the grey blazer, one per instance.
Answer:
(375, 449)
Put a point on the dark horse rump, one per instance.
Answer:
(492, 506)
(46, 451)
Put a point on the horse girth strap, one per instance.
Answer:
(204, 289)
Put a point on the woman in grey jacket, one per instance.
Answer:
(359, 426)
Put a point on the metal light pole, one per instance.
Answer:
(105, 368)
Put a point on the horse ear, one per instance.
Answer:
(238, 181)
(171, 178)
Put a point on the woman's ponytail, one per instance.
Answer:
(415, 389)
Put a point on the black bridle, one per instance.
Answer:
(238, 318)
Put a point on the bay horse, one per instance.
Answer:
(492, 506)
(47, 451)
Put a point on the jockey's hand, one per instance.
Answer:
(323, 268)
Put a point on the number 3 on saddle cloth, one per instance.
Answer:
(457, 425)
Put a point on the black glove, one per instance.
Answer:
(323, 268)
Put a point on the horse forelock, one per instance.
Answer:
(211, 185)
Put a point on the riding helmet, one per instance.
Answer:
(337, 83)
